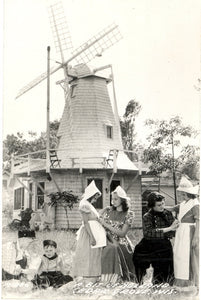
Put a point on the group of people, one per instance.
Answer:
(42, 272)
(103, 249)
(104, 252)
(177, 265)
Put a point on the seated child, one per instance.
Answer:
(51, 269)
(16, 258)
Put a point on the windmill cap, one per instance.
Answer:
(90, 191)
(186, 186)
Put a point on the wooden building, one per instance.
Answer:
(90, 147)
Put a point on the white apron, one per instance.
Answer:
(97, 229)
(182, 243)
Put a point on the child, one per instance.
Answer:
(51, 269)
(16, 257)
(91, 237)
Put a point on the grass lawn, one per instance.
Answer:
(66, 241)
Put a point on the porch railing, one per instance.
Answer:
(26, 161)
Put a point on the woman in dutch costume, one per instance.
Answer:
(91, 237)
(117, 261)
(186, 246)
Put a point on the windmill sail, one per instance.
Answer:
(36, 81)
(85, 53)
(60, 31)
(62, 40)
(99, 43)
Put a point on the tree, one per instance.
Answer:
(189, 161)
(165, 136)
(65, 199)
(158, 161)
(17, 144)
(13, 144)
(127, 124)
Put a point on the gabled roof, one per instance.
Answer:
(5, 172)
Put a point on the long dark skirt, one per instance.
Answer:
(55, 279)
(159, 254)
(117, 259)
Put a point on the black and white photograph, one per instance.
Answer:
(101, 106)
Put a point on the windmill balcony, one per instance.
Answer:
(46, 160)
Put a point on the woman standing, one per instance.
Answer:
(91, 237)
(117, 255)
(186, 246)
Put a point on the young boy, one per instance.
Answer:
(51, 269)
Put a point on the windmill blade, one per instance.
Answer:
(97, 44)
(85, 53)
(60, 31)
(36, 81)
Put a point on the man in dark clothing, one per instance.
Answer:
(155, 248)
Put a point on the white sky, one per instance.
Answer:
(157, 62)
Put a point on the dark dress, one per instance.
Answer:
(155, 248)
(117, 255)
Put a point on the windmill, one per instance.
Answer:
(83, 54)
(89, 132)
(80, 56)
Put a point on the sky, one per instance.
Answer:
(157, 62)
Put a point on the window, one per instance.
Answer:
(19, 198)
(109, 131)
(30, 195)
(40, 195)
(73, 90)
(99, 184)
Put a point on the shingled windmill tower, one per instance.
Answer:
(90, 146)
(93, 131)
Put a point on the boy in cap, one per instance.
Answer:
(16, 258)
(51, 269)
